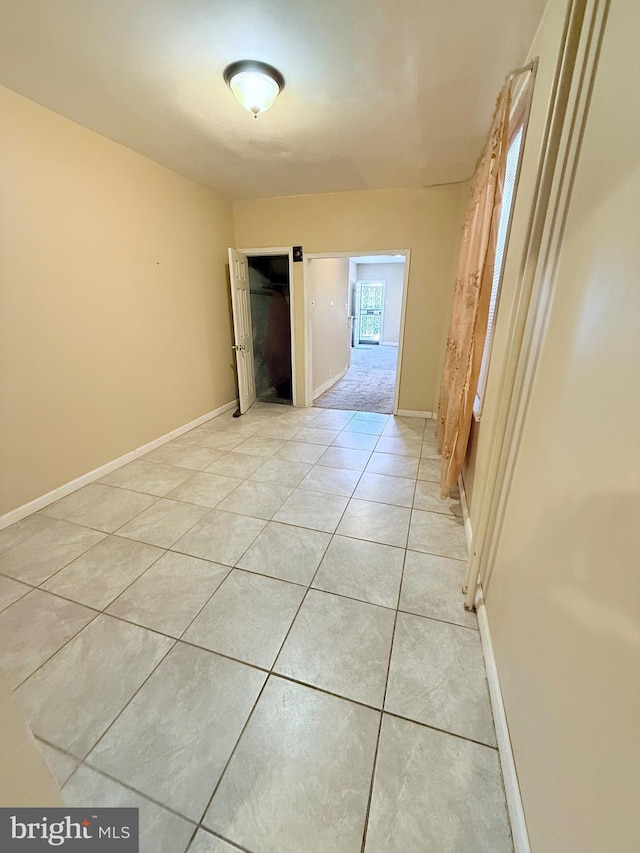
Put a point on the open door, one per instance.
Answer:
(242, 328)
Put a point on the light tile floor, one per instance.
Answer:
(255, 634)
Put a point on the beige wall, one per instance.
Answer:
(329, 295)
(427, 221)
(393, 276)
(546, 46)
(564, 599)
(114, 318)
(25, 779)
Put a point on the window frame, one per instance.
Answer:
(518, 120)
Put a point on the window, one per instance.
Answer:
(511, 173)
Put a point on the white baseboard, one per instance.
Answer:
(413, 413)
(44, 500)
(468, 529)
(507, 762)
(331, 381)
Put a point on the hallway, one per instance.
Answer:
(255, 634)
(369, 384)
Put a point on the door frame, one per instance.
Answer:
(308, 350)
(288, 251)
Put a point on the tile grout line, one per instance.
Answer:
(269, 674)
(84, 554)
(53, 654)
(367, 816)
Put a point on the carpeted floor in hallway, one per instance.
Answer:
(369, 384)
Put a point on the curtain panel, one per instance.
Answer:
(472, 293)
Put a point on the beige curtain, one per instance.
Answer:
(471, 298)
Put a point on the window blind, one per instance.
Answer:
(513, 158)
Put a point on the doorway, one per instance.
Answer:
(355, 305)
(270, 300)
(264, 335)
(369, 313)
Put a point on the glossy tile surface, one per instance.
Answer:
(11, 591)
(314, 510)
(430, 469)
(282, 472)
(286, 552)
(152, 478)
(259, 500)
(385, 489)
(33, 629)
(35, 558)
(205, 489)
(364, 570)
(239, 465)
(299, 451)
(432, 586)
(341, 646)
(392, 465)
(194, 458)
(161, 831)
(76, 695)
(23, 530)
(435, 533)
(376, 522)
(221, 537)
(257, 445)
(206, 842)
(76, 500)
(170, 594)
(300, 777)
(343, 457)
(437, 678)
(103, 572)
(111, 510)
(233, 552)
(163, 523)
(61, 765)
(427, 497)
(331, 481)
(247, 618)
(435, 792)
(400, 446)
(174, 751)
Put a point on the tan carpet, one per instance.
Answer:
(368, 386)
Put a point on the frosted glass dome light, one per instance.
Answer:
(256, 85)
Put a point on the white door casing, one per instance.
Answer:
(242, 328)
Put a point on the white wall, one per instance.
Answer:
(330, 344)
(564, 599)
(393, 275)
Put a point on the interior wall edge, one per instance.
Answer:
(56, 494)
(519, 832)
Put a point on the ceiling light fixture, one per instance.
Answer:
(256, 85)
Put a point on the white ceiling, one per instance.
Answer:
(379, 93)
